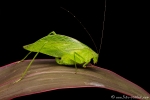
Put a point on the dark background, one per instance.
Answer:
(125, 43)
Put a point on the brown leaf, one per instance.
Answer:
(46, 75)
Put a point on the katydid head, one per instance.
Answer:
(95, 59)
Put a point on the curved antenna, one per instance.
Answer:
(82, 26)
(98, 51)
(102, 28)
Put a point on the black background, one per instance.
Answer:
(125, 43)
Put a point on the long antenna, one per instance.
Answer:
(103, 27)
(98, 51)
(82, 26)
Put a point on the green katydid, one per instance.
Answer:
(65, 49)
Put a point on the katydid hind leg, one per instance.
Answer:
(24, 57)
(24, 73)
(52, 33)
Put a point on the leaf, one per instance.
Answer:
(46, 75)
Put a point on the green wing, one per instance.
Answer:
(57, 45)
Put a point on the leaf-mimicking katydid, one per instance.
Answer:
(65, 49)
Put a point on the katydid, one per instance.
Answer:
(65, 49)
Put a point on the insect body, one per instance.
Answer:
(65, 49)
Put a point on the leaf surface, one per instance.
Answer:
(46, 75)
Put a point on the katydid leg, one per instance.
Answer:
(24, 73)
(84, 65)
(24, 57)
(75, 63)
(52, 33)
